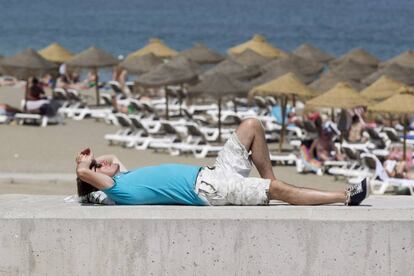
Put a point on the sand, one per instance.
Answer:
(32, 149)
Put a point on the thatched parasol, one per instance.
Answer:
(395, 71)
(352, 70)
(156, 47)
(234, 70)
(341, 96)
(250, 58)
(27, 64)
(56, 53)
(218, 86)
(295, 63)
(178, 71)
(141, 64)
(310, 52)
(202, 55)
(401, 103)
(405, 59)
(358, 55)
(258, 44)
(382, 88)
(283, 86)
(330, 79)
(93, 58)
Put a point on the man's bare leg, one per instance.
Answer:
(303, 196)
(251, 134)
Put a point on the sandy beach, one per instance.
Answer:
(35, 150)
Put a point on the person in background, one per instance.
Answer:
(355, 131)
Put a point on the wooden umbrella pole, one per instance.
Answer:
(167, 115)
(97, 86)
(282, 134)
(26, 95)
(332, 114)
(180, 98)
(219, 119)
(405, 138)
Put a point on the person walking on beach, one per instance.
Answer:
(226, 183)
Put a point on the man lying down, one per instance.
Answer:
(105, 179)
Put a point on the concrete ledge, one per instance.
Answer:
(37, 177)
(43, 235)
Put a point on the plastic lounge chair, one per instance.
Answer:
(380, 182)
(199, 144)
(127, 129)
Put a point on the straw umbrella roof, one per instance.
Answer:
(156, 47)
(340, 96)
(359, 55)
(352, 70)
(401, 103)
(404, 59)
(382, 88)
(258, 44)
(202, 54)
(287, 84)
(295, 63)
(56, 53)
(166, 74)
(250, 58)
(218, 85)
(26, 64)
(141, 64)
(395, 71)
(310, 52)
(181, 62)
(328, 80)
(234, 69)
(92, 58)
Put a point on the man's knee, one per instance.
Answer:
(252, 123)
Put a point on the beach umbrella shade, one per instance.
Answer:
(342, 95)
(27, 64)
(395, 71)
(56, 53)
(352, 70)
(93, 58)
(382, 88)
(295, 63)
(234, 70)
(156, 47)
(171, 73)
(258, 44)
(250, 58)
(218, 86)
(310, 52)
(358, 55)
(405, 59)
(202, 54)
(284, 86)
(141, 64)
(401, 103)
(328, 80)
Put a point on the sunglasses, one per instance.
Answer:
(94, 165)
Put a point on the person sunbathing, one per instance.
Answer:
(226, 183)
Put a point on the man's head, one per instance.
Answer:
(104, 167)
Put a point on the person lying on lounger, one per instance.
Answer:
(226, 183)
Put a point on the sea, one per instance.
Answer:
(383, 27)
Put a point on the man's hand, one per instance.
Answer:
(85, 156)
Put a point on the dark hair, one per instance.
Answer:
(84, 188)
(35, 81)
(355, 119)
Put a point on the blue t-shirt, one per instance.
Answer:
(167, 184)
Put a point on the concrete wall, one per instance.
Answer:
(44, 236)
